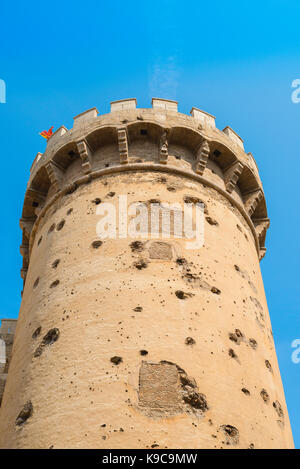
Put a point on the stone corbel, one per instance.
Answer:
(24, 273)
(262, 253)
(26, 225)
(123, 145)
(55, 174)
(24, 250)
(85, 154)
(231, 176)
(202, 157)
(252, 200)
(261, 225)
(163, 147)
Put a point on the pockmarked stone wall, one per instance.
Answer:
(141, 341)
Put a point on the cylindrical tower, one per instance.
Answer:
(143, 342)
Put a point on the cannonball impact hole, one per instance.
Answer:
(69, 211)
(231, 433)
(253, 344)
(60, 225)
(195, 399)
(52, 227)
(137, 246)
(278, 408)
(36, 282)
(190, 199)
(269, 366)
(143, 352)
(265, 396)
(232, 337)
(54, 284)
(141, 264)
(37, 332)
(189, 341)
(96, 201)
(181, 261)
(116, 360)
(25, 414)
(236, 336)
(211, 221)
(182, 295)
(55, 263)
(245, 391)
(154, 201)
(232, 353)
(50, 338)
(96, 244)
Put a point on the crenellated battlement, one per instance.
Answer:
(190, 146)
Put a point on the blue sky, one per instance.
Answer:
(234, 59)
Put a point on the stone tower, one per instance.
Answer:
(143, 343)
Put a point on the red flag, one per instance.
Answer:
(47, 133)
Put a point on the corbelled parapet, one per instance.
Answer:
(190, 146)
